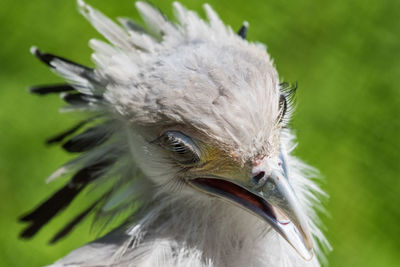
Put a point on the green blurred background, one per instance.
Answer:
(345, 56)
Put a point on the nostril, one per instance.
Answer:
(258, 177)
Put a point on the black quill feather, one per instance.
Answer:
(61, 136)
(50, 89)
(87, 140)
(47, 58)
(75, 221)
(80, 99)
(243, 30)
(63, 197)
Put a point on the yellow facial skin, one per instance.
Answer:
(217, 162)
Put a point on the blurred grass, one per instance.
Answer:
(345, 56)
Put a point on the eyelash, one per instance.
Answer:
(286, 100)
(180, 147)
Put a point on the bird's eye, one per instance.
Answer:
(181, 146)
(286, 100)
(282, 107)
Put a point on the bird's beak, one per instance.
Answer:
(274, 201)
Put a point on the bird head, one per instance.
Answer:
(216, 129)
(194, 106)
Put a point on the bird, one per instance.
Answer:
(186, 132)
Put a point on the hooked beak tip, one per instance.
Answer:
(290, 221)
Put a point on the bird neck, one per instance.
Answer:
(221, 233)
